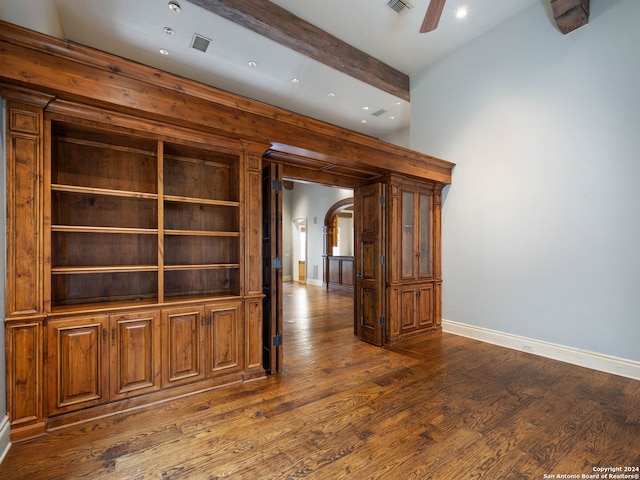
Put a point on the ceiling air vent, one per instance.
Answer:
(377, 113)
(398, 5)
(200, 43)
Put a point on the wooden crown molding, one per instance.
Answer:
(282, 26)
(75, 73)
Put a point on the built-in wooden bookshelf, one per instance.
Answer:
(142, 266)
(201, 211)
(141, 220)
(104, 217)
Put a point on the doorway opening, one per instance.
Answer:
(299, 248)
(306, 207)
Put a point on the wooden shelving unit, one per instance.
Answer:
(153, 222)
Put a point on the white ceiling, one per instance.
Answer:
(134, 29)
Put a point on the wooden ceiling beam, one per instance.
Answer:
(282, 26)
(570, 14)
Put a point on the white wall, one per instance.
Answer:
(287, 247)
(312, 201)
(346, 235)
(541, 226)
(401, 138)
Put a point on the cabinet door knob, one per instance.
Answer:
(104, 334)
(113, 333)
(359, 275)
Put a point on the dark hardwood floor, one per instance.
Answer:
(434, 407)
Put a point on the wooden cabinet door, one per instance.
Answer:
(424, 228)
(408, 309)
(78, 363)
(134, 354)
(416, 307)
(182, 345)
(222, 338)
(425, 306)
(415, 231)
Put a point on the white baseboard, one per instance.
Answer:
(5, 442)
(575, 356)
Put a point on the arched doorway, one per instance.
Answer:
(338, 248)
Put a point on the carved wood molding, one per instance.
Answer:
(570, 14)
(282, 26)
(75, 73)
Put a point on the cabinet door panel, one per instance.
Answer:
(23, 225)
(222, 339)
(408, 235)
(425, 306)
(253, 335)
(183, 345)
(424, 234)
(24, 373)
(408, 309)
(78, 364)
(135, 354)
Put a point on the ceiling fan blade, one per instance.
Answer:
(432, 17)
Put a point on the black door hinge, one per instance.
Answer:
(277, 185)
(276, 263)
(277, 340)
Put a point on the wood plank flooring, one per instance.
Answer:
(434, 407)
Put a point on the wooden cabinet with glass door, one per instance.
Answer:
(413, 226)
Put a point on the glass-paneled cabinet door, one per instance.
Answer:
(424, 241)
(416, 235)
(408, 235)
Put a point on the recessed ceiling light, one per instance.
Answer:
(175, 7)
(252, 63)
(164, 51)
(169, 31)
(365, 108)
(392, 117)
(363, 121)
(461, 13)
(331, 94)
(397, 104)
(295, 80)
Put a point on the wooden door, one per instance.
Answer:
(370, 261)
(78, 363)
(182, 345)
(222, 338)
(272, 267)
(135, 354)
